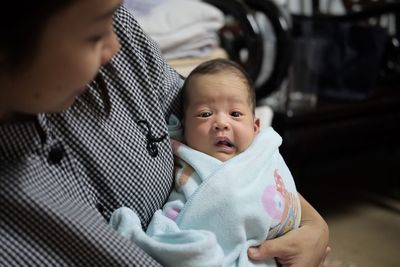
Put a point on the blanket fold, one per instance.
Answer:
(229, 206)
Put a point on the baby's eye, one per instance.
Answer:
(236, 114)
(205, 114)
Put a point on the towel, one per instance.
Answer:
(219, 209)
(140, 7)
(200, 45)
(183, 28)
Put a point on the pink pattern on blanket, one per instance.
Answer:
(172, 213)
(273, 202)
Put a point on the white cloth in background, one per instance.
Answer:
(183, 28)
(201, 45)
(265, 114)
(141, 7)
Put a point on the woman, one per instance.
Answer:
(72, 150)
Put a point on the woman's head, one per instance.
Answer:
(52, 51)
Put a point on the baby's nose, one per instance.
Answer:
(220, 125)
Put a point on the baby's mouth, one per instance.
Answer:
(224, 142)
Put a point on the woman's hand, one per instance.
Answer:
(306, 246)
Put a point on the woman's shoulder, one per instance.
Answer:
(132, 36)
(141, 68)
(125, 21)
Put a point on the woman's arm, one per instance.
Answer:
(306, 246)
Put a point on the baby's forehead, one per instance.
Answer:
(226, 78)
(212, 99)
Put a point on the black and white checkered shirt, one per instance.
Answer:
(62, 175)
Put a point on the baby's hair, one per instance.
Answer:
(217, 66)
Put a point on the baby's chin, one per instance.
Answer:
(223, 156)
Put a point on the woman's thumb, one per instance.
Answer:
(269, 249)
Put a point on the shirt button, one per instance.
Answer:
(56, 154)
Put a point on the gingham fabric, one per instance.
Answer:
(61, 175)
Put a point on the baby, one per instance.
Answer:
(232, 188)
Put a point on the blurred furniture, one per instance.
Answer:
(344, 56)
(344, 144)
(333, 128)
(256, 34)
(347, 141)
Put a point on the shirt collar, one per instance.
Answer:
(23, 137)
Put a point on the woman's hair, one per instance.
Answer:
(21, 28)
(217, 66)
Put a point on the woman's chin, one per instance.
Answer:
(65, 105)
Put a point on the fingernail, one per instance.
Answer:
(254, 253)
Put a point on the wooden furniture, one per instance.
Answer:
(351, 144)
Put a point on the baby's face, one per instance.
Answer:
(219, 120)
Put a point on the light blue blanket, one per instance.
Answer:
(221, 208)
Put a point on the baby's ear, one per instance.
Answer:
(256, 125)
